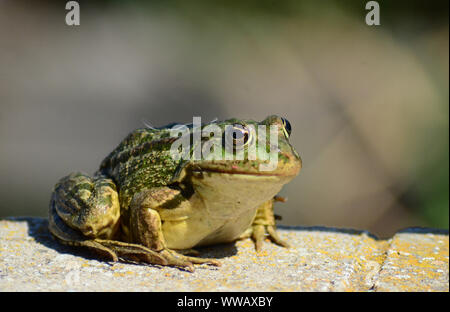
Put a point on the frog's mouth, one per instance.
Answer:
(289, 167)
(275, 173)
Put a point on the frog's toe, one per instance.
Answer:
(174, 258)
(101, 250)
(258, 236)
(209, 261)
(259, 233)
(131, 251)
(275, 237)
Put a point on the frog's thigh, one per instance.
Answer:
(89, 205)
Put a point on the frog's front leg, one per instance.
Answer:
(264, 224)
(146, 229)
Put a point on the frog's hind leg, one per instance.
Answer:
(68, 236)
(85, 212)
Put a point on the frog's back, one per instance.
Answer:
(142, 160)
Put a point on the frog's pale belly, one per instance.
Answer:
(200, 232)
(231, 230)
(223, 207)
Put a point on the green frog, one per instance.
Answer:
(145, 205)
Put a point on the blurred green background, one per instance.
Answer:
(368, 105)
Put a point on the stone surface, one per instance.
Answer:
(320, 259)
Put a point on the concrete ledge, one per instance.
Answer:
(321, 259)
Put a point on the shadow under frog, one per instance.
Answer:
(38, 229)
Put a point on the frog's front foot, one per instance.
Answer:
(259, 233)
(146, 230)
(264, 225)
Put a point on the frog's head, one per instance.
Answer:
(249, 147)
(252, 161)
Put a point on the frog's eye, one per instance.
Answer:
(286, 127)
(241, 135)
(236, 137)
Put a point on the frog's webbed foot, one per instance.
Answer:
(264, 226)
(117, 249)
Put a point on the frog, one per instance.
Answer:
(147, 206)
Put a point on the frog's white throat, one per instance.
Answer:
(223, 207)
(227, 195)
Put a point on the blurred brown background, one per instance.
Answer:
(368, 105)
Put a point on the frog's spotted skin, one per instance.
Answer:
(142, 204)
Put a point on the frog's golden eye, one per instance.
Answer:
(286, 127)
(241, 135)
(236, 137)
